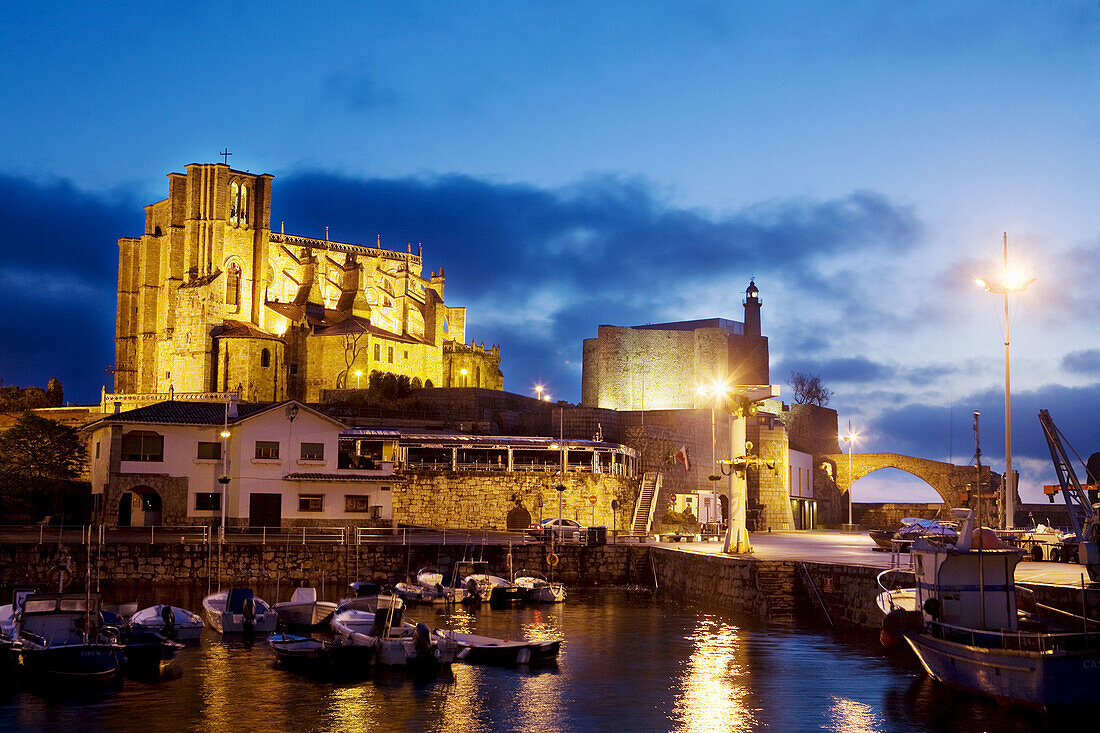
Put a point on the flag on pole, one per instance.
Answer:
(682, 458)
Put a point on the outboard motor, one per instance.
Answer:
(168, 618)
(422, 641)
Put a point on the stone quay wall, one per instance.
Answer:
(334, 565)
(842, 596)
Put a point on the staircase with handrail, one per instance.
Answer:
(647, 503)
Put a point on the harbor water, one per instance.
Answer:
(632, 660)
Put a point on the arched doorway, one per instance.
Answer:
(518, 518)
(141, 506)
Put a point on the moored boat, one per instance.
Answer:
(481, 585)
(317, 658)
(59, 637)
(238, 611)
(172, 622)
(962, 620)
(397, 643)
(474, 649)
(537, 589)
(304, 610)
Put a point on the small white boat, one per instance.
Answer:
(474, 649)
(397, 643)
(480, 585)
(537, 589)
(170, 621)
(303, 609)
(238, 611)
(60, 638)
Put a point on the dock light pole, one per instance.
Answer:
(719, 390)
(1012, 281)
(850, 438)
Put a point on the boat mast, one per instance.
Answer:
(981, 541)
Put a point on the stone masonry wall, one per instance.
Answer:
(483, 499)
(333, 565)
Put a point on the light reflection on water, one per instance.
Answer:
(631, 662)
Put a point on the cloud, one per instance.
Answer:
(59, 277)
(606, 249)
(1082, 362)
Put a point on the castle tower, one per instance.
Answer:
(752, 310)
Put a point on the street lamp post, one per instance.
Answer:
(463, 372)
(719, 390)
(850, 438)
(538, 390)
(358, 373)
(1012, 281)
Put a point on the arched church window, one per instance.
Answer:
(238, 204)
(242, 208)
(265, 358)
(234, 202)
(233, 284)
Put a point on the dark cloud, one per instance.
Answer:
(932, 431)
(59, 277)
(608, 249)
(1082, 362)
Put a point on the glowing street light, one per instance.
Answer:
(850, 438)
(463, 372)
(538, 389)
(358, 373)
(719, 390)
(1013, 280)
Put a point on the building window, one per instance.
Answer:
(378, 352)
(233, 284)
(390, 353)
(406, 354)
(97, 449)
(293, 369)
(142, 445)
(356, 503)
(209, 451)
(311, 503)
(265, 358)
(313, 451)
(238, 204)
(267, 449)
(208, 501)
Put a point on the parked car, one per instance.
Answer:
(563, 528)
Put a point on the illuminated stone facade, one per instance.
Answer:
(210, 299)
(659, 367)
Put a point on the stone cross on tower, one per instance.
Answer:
(225, 156)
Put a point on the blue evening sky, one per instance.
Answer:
(572, 164)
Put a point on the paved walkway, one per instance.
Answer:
(846, 548)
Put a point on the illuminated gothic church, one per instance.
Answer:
(210, 300)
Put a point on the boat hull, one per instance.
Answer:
(225, 622)
(475, 649)
(1034, 679)
(305, 615)
(75, 662)
(187, 626)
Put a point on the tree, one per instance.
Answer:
(41, 461)
(808, 389)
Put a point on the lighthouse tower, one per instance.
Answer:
(752, 310)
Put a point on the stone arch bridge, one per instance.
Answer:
(947, 479)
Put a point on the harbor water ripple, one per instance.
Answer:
(631, 661)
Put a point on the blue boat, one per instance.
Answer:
(59, 636)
